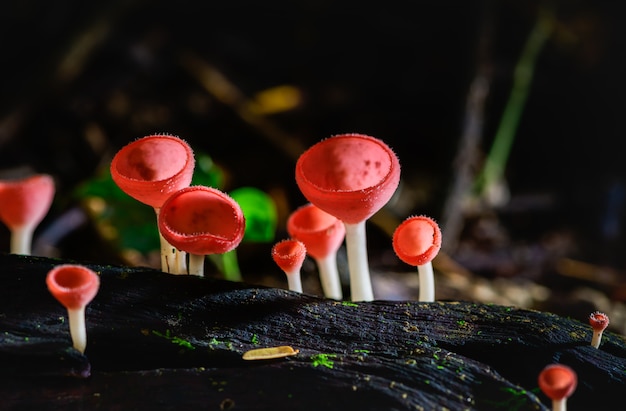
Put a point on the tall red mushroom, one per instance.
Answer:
(201, 221)
(23, 204)
(598, 321)
(350, 176)
(74, 286)
(289, 255)
(150, 169)
(322, 234)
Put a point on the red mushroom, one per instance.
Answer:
(74, 286)
(322, 234)
(201, 221)
(289, 256)
(23, 204)
(350, 176)
(416, 241)
(150, 169)
(598, 321)
(558, 382)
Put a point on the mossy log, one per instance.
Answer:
(159, 341)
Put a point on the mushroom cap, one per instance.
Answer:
(320, 232)
(557, 381)
(153, 167)
(202, 220)
(289, 255)
(598, 321)
(26, 201)
(350, 176)
(417, 240)
(73, 285)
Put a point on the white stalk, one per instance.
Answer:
(78, 330)
(426, 282)
(196, 264)
(559, 405)
(173, 261)
(21, 240)
(597, 337)
(294, 281)
(356, 245)
(329, 276)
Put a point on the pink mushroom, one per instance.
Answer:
(23, 204)
(201, 221)
(289, 256)
(416, 241)
(74, 286)
(322, 234)
(150, 169)
(558, 382)
(351, 177)
(598, 321)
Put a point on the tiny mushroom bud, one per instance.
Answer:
(322, 234)
(23, 204)
(416, 241)
(350, 176)
(150, 169)
(598, 321)
(201, 221)
(558, 382)
(74, 286)
(289, 256)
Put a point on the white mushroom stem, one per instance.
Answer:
(356, 245)
(21, 240)
(559, 405)
(329, 276)
(596, 338)
(426, 282)
(294, 281)
(78, 330)
(196, 264)
(173, 261)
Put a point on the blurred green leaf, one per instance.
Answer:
(206, 172)
(260, 212)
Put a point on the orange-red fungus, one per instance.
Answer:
(74, 286)
(321, 233)
(417, 240)
(557, 382)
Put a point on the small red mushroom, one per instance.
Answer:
(416, 241)
(74, 286)
(322, 234)
(350, 176)
(289, 256)
(23, 204)
(598, 321)
(201, 221)
(150, 169)
(558, 382)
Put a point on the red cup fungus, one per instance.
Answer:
(201, 221)
(416, 241)
(322, 234)
(150, 169)
(23, 204)
(289, 256)
(74, 286)
(351, 177)
(558, 383)
(598, 321)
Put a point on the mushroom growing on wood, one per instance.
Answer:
(23, 204)
(351, 177)
(201, 221)
(598, 321)
(322, 234)
(558, 382)
(416, 241)
(150, 169)
(74, 286)
(289, 256)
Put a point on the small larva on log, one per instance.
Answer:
(269, 353)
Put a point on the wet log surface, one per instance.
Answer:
(158, 341)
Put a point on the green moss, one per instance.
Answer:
(323, 360)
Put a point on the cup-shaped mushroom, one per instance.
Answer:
(558, 383)
(598, 321)
(23, 204)
(350, 176)
(150, 169)
(201, 221)
(74, 286)
(289, 256)
(322, 234)
(416, 241)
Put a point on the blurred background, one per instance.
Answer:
(506, 117)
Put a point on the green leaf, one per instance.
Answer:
(260, 212)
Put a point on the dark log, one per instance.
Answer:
(159, 341)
